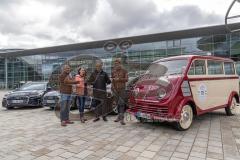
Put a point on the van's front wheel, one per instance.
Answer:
(233, 108)
(186, 118)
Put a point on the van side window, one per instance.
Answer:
(191, 70)
(215, 67)
(197, 68)
(229, 68)
(237, 67)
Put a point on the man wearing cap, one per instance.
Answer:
(119, 80)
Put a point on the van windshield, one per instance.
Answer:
(165, 68)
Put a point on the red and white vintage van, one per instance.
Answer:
(177, 88)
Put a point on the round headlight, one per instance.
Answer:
(162, 93)
(7, 94)
(135, 92)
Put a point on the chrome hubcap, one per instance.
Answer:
(186, 116)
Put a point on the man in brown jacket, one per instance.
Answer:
(119, 79)
(65, 82)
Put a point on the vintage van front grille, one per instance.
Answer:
(154, 110)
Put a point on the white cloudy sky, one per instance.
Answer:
(40, 23)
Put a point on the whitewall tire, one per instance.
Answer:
(186, 118)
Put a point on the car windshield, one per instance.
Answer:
(165, 68)
(33, 86)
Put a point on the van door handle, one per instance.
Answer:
(192, 85)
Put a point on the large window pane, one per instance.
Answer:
(215, 67)
(198, 67)
(2, 73)
(229, 68)
(238, 67)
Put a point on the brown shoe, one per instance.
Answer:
(63, 123)
(69, 122)
(104, 119)
(117, 120)
(96, 119)
(123, 123)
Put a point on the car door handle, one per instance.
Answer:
(192, 85)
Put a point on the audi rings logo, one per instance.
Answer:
(123, 45)
(110, 46)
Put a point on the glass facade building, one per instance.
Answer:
(43, 64)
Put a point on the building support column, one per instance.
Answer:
(6, 73)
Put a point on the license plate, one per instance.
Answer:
(144, 115)
(17, 101)
(50, 101)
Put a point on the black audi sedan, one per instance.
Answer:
(29, 94)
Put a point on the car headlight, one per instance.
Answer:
(135, 92)
(6, 95)
(162, 93)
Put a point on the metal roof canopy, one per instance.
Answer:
(189, 33)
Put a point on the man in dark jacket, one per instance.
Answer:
(99, 79)
(65, 82)
(119, 80)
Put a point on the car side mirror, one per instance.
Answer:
(49, 88)
(15, 87)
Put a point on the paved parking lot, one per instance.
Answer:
(35, 133)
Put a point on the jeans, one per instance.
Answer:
(121, 103)
(65, 106)
(81, 103)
